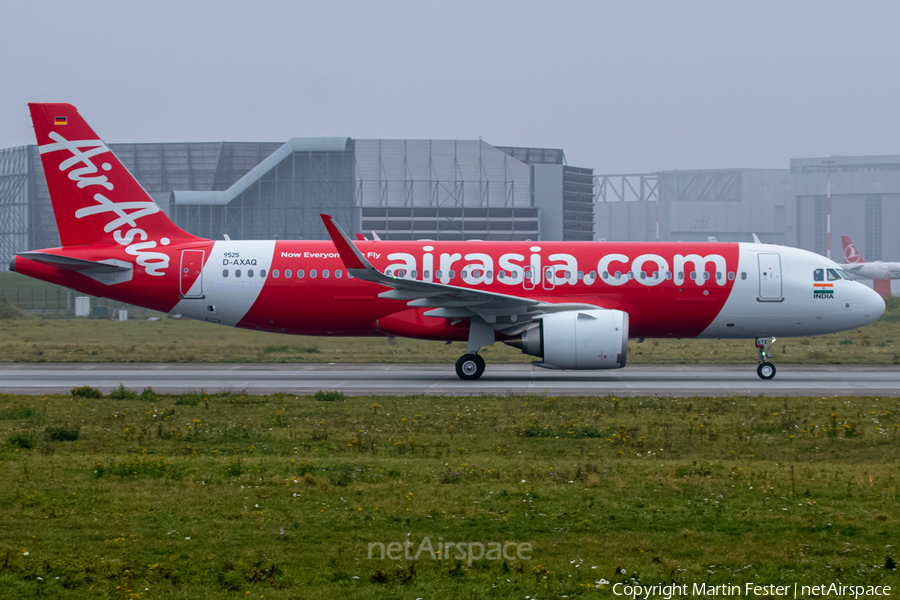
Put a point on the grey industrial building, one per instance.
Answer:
(469, 189)
(400, 189)
(780, 206)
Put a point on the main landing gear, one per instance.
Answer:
(469, 367)
(765, 369)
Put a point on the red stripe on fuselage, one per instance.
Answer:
(344, 306)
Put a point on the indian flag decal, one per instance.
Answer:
(823, 290)
(60, 120)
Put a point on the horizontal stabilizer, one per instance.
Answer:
(69, 263)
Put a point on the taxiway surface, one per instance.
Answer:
(440, 379)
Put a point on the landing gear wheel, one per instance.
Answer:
(766, 370)
(469, 367)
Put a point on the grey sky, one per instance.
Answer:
(622, 87)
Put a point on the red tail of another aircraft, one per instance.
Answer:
(851, 254)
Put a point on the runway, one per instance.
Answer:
(402, 379)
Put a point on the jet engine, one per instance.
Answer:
(577, 339)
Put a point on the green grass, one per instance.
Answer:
(239, 496)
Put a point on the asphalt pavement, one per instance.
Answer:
(440, 379)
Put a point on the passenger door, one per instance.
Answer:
(770, 288)
(191, 271)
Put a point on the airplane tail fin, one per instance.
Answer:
(94, 196)
(851, 254)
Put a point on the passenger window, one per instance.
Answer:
(706, 275)
(300, 273)
(743, 275)
(225, 273)
(529, 273)
(237, 272)
(694, 275)
(312, 273)
(833, 275)
(262, 272)
(719, 275)
(249, 272)
(681, 275)
(500, 275)
(819, 275)
(465, 273)
(389, 272)
(287, 273)
(426, 274)
(414, 274)
(593, 275)
(325, 273)
(605, 274)
(730, 275)
(452, 273)
(275, 273)
(338, 274)
(580, 275)
(437, 274)
(618, 274)
(490, 274)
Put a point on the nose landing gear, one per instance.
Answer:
(765, 369)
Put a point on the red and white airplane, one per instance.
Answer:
(855, 265)
(571, 304)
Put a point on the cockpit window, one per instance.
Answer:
(833, 275)
(845, 275)
(819, 275)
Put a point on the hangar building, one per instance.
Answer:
(781, 206)
(400, 189)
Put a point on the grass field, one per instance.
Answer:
(34, 339)
(236, 496)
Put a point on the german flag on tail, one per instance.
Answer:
(60, 120)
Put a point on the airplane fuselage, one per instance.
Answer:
(678, 290)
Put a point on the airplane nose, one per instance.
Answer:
(870, 303)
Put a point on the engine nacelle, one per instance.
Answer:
(578, 339)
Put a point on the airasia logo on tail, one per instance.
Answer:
(124, 227)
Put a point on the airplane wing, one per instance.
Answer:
(508, 314)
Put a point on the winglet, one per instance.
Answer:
(352, 258)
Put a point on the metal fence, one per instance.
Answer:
(59, 301)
